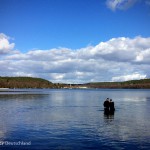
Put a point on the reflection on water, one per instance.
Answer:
(74, 119)
(109, 115)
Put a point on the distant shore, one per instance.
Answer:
(7, 83)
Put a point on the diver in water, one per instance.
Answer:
(106, 105)
(111, 106)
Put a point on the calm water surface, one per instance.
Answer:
(74, 120)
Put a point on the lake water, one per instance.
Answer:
(74, 119)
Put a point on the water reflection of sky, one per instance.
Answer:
(74, 118)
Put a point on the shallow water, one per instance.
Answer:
(74, 119)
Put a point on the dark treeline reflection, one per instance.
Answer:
(22, 96)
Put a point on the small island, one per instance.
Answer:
(32, 82)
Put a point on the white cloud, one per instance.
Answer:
(116, 59)
(143, 56)
(120, 4)
(5, 45)
(134, 76)
(23, 74)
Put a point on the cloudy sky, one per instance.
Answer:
(75, 41)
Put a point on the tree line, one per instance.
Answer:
(25, 82)
(134, 84)
(30, 82)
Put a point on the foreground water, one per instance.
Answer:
(74, 119)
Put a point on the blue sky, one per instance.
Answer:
(69, 23)
(67, 29)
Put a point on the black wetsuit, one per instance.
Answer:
(106, 106)
(111, 106)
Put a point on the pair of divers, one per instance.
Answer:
(109, 107)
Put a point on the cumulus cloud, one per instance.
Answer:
(5, 45)
(117, 59)
(120, 4)
(134, 76)
(143, 56)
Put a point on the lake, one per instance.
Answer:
(73, 119)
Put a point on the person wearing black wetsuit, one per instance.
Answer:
(111, 106)
(106, 105)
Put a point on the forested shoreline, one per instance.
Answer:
(31, 82)
(134, 84)
(25, 82)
